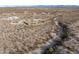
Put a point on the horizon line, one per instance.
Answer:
(33, 5)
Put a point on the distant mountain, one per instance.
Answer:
(55, 6)
(47, 6)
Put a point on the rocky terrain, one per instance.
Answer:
(39, 31)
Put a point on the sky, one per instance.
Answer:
(37, 2)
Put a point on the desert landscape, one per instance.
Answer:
(39, 30)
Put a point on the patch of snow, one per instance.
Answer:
(13, 18)
(37, 20)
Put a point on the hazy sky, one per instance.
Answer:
(38, 2)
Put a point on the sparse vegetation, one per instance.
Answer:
(25, 30)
